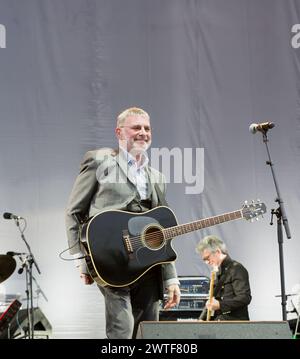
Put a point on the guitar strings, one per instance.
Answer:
(158, 236)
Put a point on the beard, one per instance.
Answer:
(138, 146)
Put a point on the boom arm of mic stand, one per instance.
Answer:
(27, 245)
(30, 253)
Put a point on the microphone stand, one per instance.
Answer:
(28, 263)
(281, 219)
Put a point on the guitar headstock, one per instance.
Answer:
(253, 210)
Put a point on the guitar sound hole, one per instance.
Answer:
(153, 237)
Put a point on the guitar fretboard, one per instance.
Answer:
(202, 223)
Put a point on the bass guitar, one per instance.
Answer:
(122, 246)
(211, 293)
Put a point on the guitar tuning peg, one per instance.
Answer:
(251, 220)
(246, 204)
(257, 218)
(253, 201)
(258, 200)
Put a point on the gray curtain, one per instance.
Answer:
(204, 70)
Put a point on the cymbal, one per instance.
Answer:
(7, 266)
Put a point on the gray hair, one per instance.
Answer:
(128, 112)
(211, 243)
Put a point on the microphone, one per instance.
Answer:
(262, 127)
(21, 269)
(14, 254)
(8, 215)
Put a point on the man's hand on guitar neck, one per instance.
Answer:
(173, 296)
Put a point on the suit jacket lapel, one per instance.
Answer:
(151, 190)
(155, 197)
(223, 275)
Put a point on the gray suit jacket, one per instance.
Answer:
(105, 182)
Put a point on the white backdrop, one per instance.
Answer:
(204, 70)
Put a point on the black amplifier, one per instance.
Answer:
(194, 294)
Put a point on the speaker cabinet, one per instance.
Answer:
(214, 330)
(19, 325)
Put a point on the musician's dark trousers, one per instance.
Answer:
(126, 307)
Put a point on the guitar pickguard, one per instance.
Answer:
(137, 224)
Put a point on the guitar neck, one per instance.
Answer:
(211, 294)
(172, 232)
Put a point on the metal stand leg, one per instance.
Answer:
(296, 328)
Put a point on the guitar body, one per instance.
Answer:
(122, 246)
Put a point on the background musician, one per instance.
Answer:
(231, 292)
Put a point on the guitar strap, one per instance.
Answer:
(162, 202)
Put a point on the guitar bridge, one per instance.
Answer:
(127, 242)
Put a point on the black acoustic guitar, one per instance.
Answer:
(122, 246)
